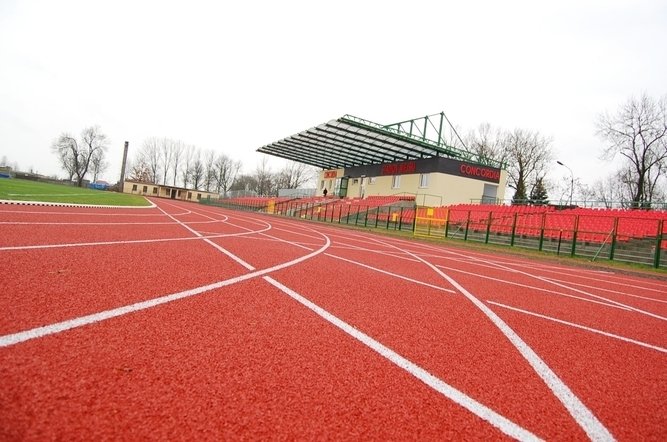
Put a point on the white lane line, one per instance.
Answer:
(500, 422)
(577, 409)
(110, 243)
(583, 327)
(86, 206)
(572, 271)
(545, 279)
(211, 243)
(274, 238)
(95, 213)
(607, 290)
(58, 327)
(49, 223)
(426, 284)
(574, 289)
(534, 288)
(457, 396)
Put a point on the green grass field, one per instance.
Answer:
(25, 190)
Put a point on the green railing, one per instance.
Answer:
(625, 238)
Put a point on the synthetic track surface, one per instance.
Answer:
(185, 321)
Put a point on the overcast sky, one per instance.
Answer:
(234, 76)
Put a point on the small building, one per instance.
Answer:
(164, 191)
(360, 158)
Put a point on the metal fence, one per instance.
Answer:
(623, 237)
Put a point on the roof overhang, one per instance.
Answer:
(350, 141)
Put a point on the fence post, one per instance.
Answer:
(613, 240)
(400, 221)
(388, 216)
(658, 244)
(465, 235)
(513, 229)
(574, 235)
(488, 227)
(544, 222)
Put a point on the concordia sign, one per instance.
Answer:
(479, 172)
(447, 166)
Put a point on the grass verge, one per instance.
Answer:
(26, 190)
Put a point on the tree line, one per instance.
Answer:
(636, 134)
(172, 162)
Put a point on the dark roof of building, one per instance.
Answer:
(351, 141)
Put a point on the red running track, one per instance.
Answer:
(191, 322)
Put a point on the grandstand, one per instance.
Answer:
(359, 158)
(405, 176)
(620, 234)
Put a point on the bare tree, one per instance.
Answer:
(166, 157)
(294, 175)
(186, 170)
(638, 132)
(487, 144)
(245, 183)
(528, 155)
(150, 155)
(225, 172)
(177, 147)
(76, 156)
(264, 177)
(209, 170)
(66, 148)
(197, 170)
(140, 171)
(98, 164)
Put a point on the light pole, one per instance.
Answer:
(571, 180)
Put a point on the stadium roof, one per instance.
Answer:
(351, 141)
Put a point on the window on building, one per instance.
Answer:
(490, 194)
(322, 184)
(134, 187)
(198, 196)
(396, 182)
(423, 180)
(145, 189)
(154, 190)
(189, 195)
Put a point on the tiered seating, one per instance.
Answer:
(255, 201)
(337, 208)
(591, 225)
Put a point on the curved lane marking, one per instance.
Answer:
(577, 409)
